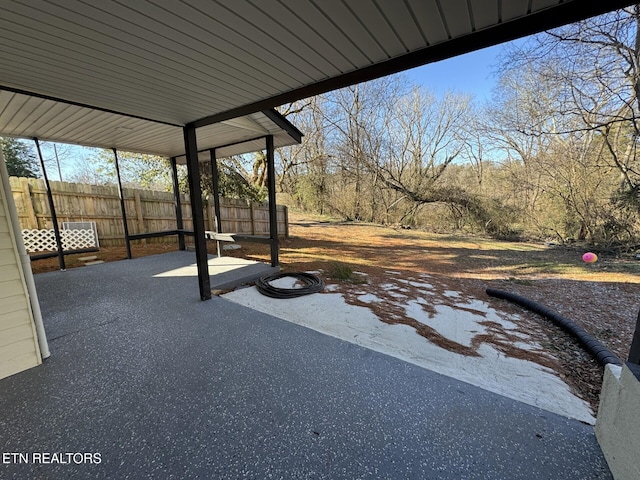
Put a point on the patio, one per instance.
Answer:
(161, 384)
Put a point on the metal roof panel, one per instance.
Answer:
(33, 117)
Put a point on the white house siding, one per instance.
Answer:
(18, 342)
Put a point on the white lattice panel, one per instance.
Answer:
(77, 239)
(39, 240)
(83, 226)
(45, 240)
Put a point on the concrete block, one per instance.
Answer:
(618, 422)
(95, 262)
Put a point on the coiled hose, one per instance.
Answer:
(312, 284)
(601, 353)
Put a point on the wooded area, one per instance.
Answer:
(552, 156)
(147, 210)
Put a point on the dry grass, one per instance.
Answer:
(602, 297)
(106, 254)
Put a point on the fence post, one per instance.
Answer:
(210, 221)
(252, 216)
(286, 221)
(233, 217)
(139, 213)
(28, 203)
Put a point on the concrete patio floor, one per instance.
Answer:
(162, 385)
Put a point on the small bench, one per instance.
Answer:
(234, 237)
(219, 237)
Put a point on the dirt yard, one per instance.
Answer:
(601, 297)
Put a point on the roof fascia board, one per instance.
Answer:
(246, 123)
(568, 12)
(297, 138)
(220, 147)
(279, 119)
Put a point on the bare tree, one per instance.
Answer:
(305, 169)
(428, 135)
(594, 68)
(357, 119)
(568, 111)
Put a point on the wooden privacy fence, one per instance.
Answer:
(147, 210)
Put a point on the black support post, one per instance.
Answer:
(127, 240)
(195, 192)
(273, 213)
(215, 181)
(215, 187)
(178, 205)
(634, 353)
(52, 208)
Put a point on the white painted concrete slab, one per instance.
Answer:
(514, 378)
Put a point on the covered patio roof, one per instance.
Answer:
(31, 116)
(205, 61)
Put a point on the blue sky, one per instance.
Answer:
(470, 73)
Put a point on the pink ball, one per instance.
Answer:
(589, 257)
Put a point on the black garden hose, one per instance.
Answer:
(593, 346)
(312, 284)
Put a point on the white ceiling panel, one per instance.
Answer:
(514, 9)
(117, 29)
(342, 15)
(286, 42)
(48, 115)
(403, 23)
(430, 21)
(542, 4)
(326, 28)
(263, 44)
(306, 31)
(13, 110)
(485, 13)
(368, 13)
(457, 17)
